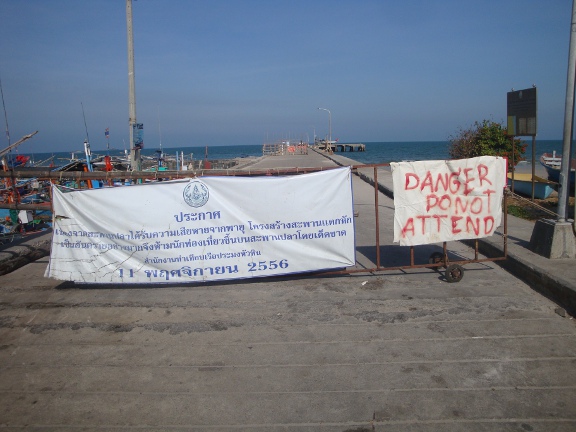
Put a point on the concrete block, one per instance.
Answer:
(553, 239)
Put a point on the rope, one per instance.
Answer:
(527, 201)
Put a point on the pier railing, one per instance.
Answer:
(275, 149)
(81, 179)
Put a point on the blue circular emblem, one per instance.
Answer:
(196, 194)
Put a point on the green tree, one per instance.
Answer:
(487, 138)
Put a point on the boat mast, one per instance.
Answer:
(5, 114)
(135, 159)
(159, 130)
(87, 151)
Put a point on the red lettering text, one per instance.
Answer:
(482, 173)
(409, 227)
(475, 228)
(469, 179)
(455, 220)
(463, 204)
(408, 186)
(438, 217)
(476, 205)
(489, 192)
(423, 218)
(454, 182)
(488, 224)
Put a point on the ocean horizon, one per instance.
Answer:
(376, 152)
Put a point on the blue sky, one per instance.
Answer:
(235, 72)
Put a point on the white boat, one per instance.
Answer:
(553, 163)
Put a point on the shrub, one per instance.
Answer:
(486, 139)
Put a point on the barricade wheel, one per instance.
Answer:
(454, 273)
(436, 258)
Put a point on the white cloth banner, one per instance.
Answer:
(203, 229)
(438, 201)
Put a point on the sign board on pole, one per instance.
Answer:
(521, 107)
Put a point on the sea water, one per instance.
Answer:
(376, 152)
(383, 152)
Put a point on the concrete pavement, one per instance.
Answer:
(24, 249)
(396, 351)
(554, 278)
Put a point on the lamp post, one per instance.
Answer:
(329, 144)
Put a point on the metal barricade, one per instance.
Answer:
(453, 268)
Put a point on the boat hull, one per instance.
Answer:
(523, 185)
(552, 163)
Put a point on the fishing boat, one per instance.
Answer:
(553, 163)
(523, 185)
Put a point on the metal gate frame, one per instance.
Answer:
(454, 270)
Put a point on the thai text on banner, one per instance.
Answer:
(203, 229)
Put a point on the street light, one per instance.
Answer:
(329, 144)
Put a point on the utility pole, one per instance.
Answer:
(568, 123)
(135, 159)
(555, 239)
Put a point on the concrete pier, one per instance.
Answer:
(396, 351)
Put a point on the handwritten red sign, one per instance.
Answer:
(437, 201)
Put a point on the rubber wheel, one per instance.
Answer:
(454, 273)
(436, 258)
